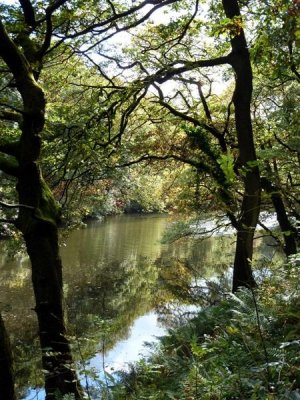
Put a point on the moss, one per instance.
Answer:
(9, 165)
(49, 209)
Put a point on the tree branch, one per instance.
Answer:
(204, 102)
(10, 116)
(9, 166)
(293, 65)
(150, 157)
(165, 74)
(6, 205)
(179, 114)
(214, 131)
(48, 35)
(49, 27)
(53, 7)
(10, 148)
(18, 65)
(286, 145)
(28, 12)
(108, 23)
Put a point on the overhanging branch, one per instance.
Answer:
(185, 117)
(165, 74)
(151, 157)
(109, 26)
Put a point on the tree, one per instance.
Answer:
(33, 37)
(38, 217)
(170, 54)
(173, 53)
(274, 111)
(275, 60)
(240, 61)
(29, 34)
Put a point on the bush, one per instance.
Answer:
(245, 347)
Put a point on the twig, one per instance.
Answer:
(3, 204)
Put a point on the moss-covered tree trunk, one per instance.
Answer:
(250, 208)
(42, 247)
(37, 220)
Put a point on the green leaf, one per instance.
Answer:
(226, 162)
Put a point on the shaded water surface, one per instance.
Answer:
(113, 274)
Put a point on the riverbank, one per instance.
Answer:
(244, 347)
(115, 272)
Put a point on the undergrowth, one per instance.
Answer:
(245, 347)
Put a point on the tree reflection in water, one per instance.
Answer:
(115, 272)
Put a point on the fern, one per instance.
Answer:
(246, 347)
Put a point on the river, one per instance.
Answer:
(116, 273)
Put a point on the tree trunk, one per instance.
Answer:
(7, 389)
(39, 228)
(288, 230)
(42, 248)
(249, 213)
(37, 220)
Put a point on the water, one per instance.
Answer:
(113, 272)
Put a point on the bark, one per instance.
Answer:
(42, 247)
(38, 224)
(7, 390)
(288, 230)
(249, 213)
(39, 228)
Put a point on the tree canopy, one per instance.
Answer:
(108, 106)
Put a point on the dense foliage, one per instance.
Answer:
(245, 346)
(156, 105)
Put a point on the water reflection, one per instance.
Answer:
(109, 275)
(113, 275)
